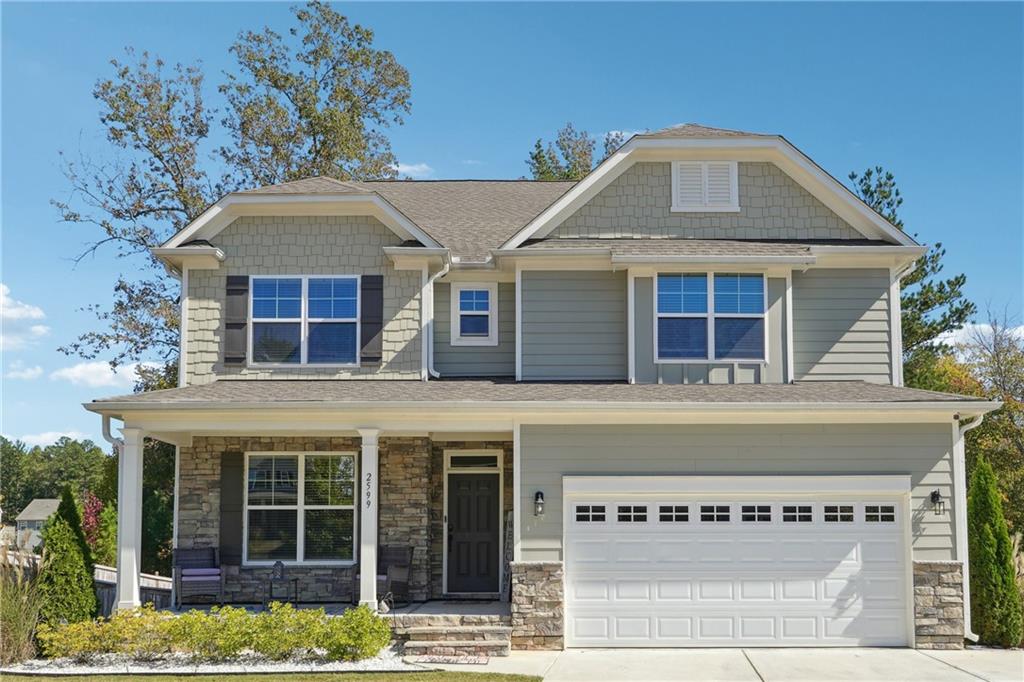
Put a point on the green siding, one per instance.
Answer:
(475, 361)
(921, 450)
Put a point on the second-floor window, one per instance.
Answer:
(305, 320)
(474, 314)
(710, 317)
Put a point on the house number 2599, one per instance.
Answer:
(369, 490)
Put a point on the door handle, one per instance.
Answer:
(450, 538)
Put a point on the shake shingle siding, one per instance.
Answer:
(574, 324)
(841, 327)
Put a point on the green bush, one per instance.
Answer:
(356, 634)
(65, 579)
(995, 596)
(19, 609)
(286, 632)
(221, 634)
(80, 641)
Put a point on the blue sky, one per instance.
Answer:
(931, 91)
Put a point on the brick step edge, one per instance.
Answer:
(404, 621)
(457, 648)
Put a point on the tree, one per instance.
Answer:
(104, 548)
(931, 306)
(26, 474)
(996, 607)
(66, 577)
(571, 156)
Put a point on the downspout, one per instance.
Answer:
(118, 443)
(446, 266)
(960, 490)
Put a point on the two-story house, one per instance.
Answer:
(662, 405)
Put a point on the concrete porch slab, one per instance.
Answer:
(994, 665)
(454, 607)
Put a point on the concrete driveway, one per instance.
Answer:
(761, 665)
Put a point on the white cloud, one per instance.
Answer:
(16, 370)
(417, 171)
(626, 134)
(49, 437)
(98, 373)
(970, 331)
(17, 318)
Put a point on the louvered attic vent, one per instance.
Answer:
(704, 186)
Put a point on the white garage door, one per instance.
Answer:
(735, 570)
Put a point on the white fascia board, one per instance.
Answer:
(414, 257)
(191, 257)
(225, 211)
(715, 260)
(777, 149)
(809, 484)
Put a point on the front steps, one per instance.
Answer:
(455, 636)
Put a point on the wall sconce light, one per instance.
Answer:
(938, 503)
(538, 504)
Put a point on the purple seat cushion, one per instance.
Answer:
(200, 578)
(191, 572)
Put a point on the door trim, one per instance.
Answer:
(498, 469)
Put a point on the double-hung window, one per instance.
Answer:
(710, 317)
(474, 314)
(305, 320)
(300, 507)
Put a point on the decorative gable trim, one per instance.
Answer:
(777, 150)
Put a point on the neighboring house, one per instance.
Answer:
(29, 523)
(679, 378)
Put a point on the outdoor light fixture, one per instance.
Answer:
(937, 502)
(538, 504)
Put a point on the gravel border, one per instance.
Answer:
(389, 660)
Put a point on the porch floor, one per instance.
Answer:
(438, 607)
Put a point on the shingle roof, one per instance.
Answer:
(315, 185)
(696, 130)
(475, 391)
(676, 247)
(38, 509)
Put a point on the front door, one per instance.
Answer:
(473, 532)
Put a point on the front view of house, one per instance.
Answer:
(660, 407)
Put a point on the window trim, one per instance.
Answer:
(304, 322)
(734, 188)
(300, 508)
(456, 338)
(711, 316)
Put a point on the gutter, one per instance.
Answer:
(960, 477)
(118, 443)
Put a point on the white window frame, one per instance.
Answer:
(300, 508)
(304, 321)
(492, 301)
(711, 317)
(703, 207)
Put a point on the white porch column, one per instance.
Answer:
(368, 518)
(129, 519)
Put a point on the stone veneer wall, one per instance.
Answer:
(304, 245)
(772, 206)
(403, 512)
(437, 528)
(538, 605)
(939, 604)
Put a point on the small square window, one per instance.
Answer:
(880, 513)
(632, 513)
(673, 513)
(474, 309)
(838, 513)
(756, 513)
(797, 513)
(716, 513)
(590, 513)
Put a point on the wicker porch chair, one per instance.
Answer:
(198, 572)
(394, 568)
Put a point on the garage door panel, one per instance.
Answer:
(737, 583)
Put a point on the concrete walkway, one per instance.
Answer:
(760, 665)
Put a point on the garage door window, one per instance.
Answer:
(628, 513)
(880, 513)
(797, 513)
(673, 513)
(756, 513)
(715, 513)
(590, 513)
(838, 513)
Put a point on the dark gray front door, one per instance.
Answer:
(473, 532)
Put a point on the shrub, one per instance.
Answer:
(356, 634)
(80, 641)
(19, 609)
(221, 634)
(284, 631)
(996, 601)
(65, 580)
(141, 634)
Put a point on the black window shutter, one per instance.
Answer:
(236, 318)
(371, 319)
(232, 489)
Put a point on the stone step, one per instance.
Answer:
(458, 648)
(464, 633)
(429, 620)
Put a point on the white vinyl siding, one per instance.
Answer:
(705, 186)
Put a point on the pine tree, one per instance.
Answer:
(65, 581)
(68, 510)
(995, 600)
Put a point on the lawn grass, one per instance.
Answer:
(442, 676)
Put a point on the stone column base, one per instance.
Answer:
(538, 605)
(939, 604)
